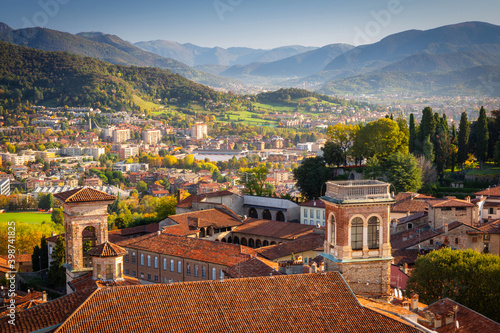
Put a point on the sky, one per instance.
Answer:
(247, 23)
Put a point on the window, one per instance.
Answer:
(431, 241)
(126, 257)
(98, 271)
(119, 270)
(172, 265)
(142, 259)
(357, 233)
(486, 238)
(126, 271)
(456, 240)
(156, 278)
(156, 262)
(373, 232)
(164, 279)
(221, 274)
(171, 280)
(203, 272)
(142, 275)
(323, 214)
(50, 249)
(305, 221)
(305, 212)
(214, 273)
(474, 239)
(149, 277)
(333, 239)
(317, 213)
(196, 270)
(311, 213)
(446, 209)
(491, 211)
(149, 260)
(179, 267)
(409, 226)
(133, 273)
(305, 261)
(164, 264)
(188, 269)
(109, 272)
(133, 257)
(461, 208)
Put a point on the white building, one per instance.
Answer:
(151, 136)
(312, 212)
(199, 131)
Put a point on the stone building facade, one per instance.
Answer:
(357, 237)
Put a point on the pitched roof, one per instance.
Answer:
(313, 203)
(412, 195)
(86, 281)
(216, 217)
(188, 201)
(289, 303)
(107, 249)
(449, 202)
(492, 227)
(468, 320)
(45, 315)
(490, 192)
(253, 267)
(83, 194)
(409, 205)
(191, 248)
(308, 242)
(276, 229)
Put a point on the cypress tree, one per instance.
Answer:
(482, 136)
(463, 139)
(413, 135)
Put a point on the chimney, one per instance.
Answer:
(438, 321)
(414, 302)
(314, 267)
(193, 222)
(449, 317)
(445, 227)
(405, 268)
(44, 296)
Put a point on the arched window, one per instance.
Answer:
(244, 241)
(280, 216)
(236, 240)
(332, 226)
(373, 232)
(357, 233)
(265, 243)
(258, 243)
(253, 213)
(266, 215)
(251, 242)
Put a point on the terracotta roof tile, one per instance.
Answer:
(290, 303)
(107, 249)
(190, 248)
(469, 320)
(313, 203)
(87, 282)
(45, 315)
(409, 205)
(490, 192)
(449, 202)
(253, 267)
(284, 230)
(216, 217)
(83, 194)
(492, 227)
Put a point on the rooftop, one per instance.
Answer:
(83, 194)
(107, 249)
(275, 229)
(357, 191)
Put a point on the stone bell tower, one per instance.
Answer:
(357, 237)
(85, 225)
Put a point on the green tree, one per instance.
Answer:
(45, 201)
(57, 272)
(165, 207)
(340, 139)
(466, 276)
(400, 170)
(141, 186)
(57, 216)
(35, 259)
(482, 137)
(428, 149)
(442, 146)
(427, 125)
(254, 180)
(311, 177)
(413, 135)
(380, 138)
(463, 139)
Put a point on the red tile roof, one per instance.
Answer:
(107, 249)
(492, 227)
(409, 205)
(84, 194)
(412, 195)
(253, 267)
(188, 201)
(449, 202)
(469, 320)
(45, 315)
(490, 192)
(290, 303)
(86, 281)
(276, 229)
(215, 217)
(308, 242)
(190, 248)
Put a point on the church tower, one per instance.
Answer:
(85, 225)
(357, 235)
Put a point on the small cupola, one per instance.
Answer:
(107, 262)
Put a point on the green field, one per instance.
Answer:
(28, 217)
(145, 104)
(273, 107)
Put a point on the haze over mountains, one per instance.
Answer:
(452, 59)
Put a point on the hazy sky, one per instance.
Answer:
(250, 23)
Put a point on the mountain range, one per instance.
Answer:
(461, 59)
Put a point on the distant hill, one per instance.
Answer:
(61, 78)
(105, 47)
(302, 64)
(194, 55)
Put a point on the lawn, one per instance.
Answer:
(273, 107)
(28, 217)
(145, 104)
